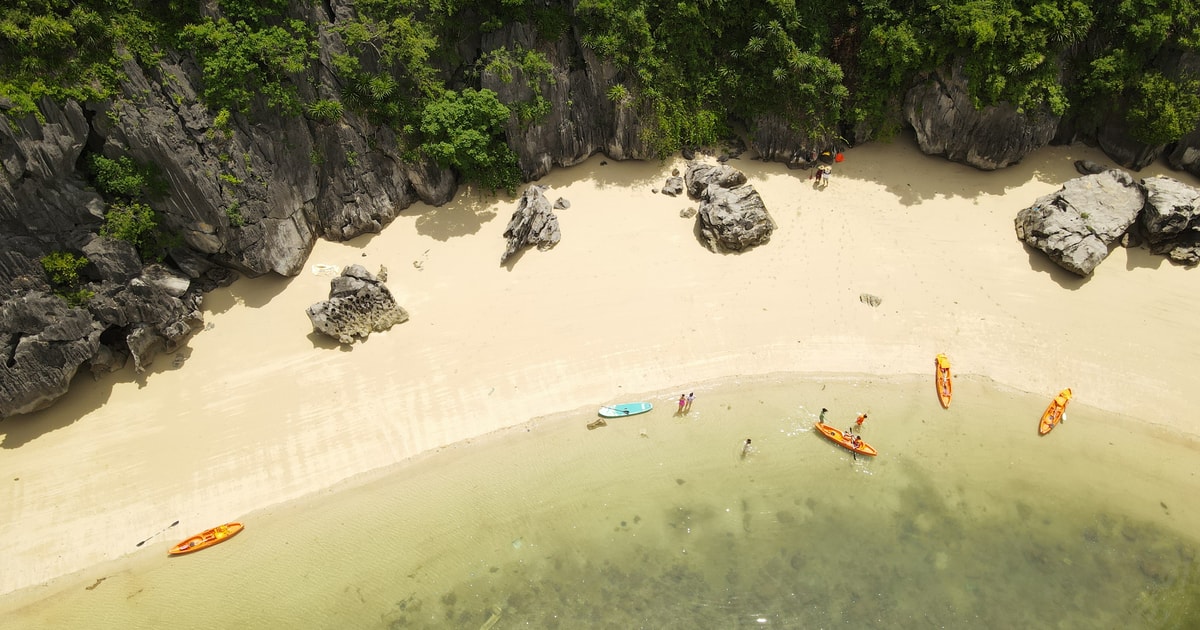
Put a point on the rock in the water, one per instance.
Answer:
(1076, 225)
(532, 223)
(561, 204)
(358, 305)
(732, 216)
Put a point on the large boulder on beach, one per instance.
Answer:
(1171, 219)
(358, 304)
(1076, 225)
(533, 223)
(732, 216)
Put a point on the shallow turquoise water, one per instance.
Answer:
(967, 519)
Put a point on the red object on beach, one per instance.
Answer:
(839, 157)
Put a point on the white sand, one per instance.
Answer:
(263, 411)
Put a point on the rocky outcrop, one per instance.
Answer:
(1076, 226)
(1185, 155)
(947, 123)
(731, 217)
(533, 223)
(358, 305)
(1171, 219)
(133, 313)
(581, 120)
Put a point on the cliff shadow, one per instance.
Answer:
(250, 292)
(84, 395)
(462, 216)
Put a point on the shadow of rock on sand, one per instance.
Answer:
(462, 216)
(325, 342)
(1040, 262)
(85, 395)
(252, 292)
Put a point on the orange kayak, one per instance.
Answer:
(945, 388)
(847, 443)
(207, 538)
(1055, 412)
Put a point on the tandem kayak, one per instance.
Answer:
(207, 538)
(625, 409)
(846, 442)
(945, 387)
(1055, 412)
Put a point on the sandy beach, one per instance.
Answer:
(258, 410)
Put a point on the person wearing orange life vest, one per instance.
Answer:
(862, 417)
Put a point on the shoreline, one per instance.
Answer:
(267, 413)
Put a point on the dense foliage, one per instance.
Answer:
(63, 269)
(695, 68)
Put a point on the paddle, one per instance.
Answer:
(159, 532)
(624, 411)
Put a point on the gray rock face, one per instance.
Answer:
(674, 186)
(358, 305)
(947, 123)
(1076, 225)
(582, 120)
(774, 140)
(731, 216)
(1171, 219)
(1186, 154)
(532, 223)
(44, 342)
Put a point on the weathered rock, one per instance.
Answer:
(115, 260)
(1088, 167)
(674, 186)
(581, 120)
(1076, 225)
(561, 204)
(731, 216)
(358, 305)
(532, 223)
(947, 123)
(44, 342)
(1171, 219)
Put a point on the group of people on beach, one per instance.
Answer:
(685, 403)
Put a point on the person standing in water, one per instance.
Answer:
(682, 402)
(746, 448)
(822, 418)
(862, 417)
(691, 397)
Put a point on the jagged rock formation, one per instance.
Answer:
(582, 119)
(358, 305)
(731, 216)
(1171, 219)
(947, 123)
(674, 186)
(135, 312)
(533, 223)
(1076, 225)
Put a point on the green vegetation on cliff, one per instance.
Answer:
(694, 68)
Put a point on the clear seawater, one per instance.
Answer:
(967, 519)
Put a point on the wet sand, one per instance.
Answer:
(258, 410)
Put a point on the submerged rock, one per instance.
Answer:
(358, 305)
